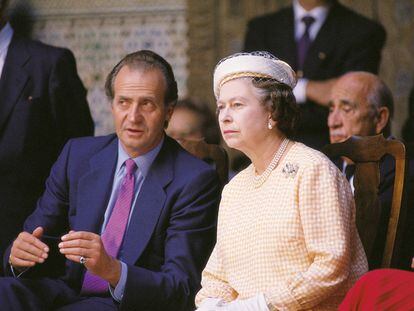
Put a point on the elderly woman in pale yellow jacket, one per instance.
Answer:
(286, 235)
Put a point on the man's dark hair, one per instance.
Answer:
(145, 60)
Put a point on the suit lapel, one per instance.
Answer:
(13, 78)
(149, 204)
(323, 44)
(94, 189)
(287, 36)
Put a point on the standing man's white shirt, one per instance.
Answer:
(6, 35)
(319, 14)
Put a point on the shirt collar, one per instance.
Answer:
(143, 162)
(6, 35)
(319, 13)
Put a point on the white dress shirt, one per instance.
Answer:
(351, 180)
(6, 35)
(319, 14)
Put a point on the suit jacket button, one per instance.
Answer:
(322, 55)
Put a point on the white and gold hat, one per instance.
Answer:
(254, 64)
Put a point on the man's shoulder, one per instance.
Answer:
(94, 139)
(89, 145)
(353, 20)
(272, 18)
(183, 159)
(39, 49)
(173, 167)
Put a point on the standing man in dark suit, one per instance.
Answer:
(321, 40)
(135, 214)
(42, 105)
(361, 104)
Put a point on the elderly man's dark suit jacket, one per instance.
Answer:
(42, 104)
(405, 242)
(346, 42)
(171, 232)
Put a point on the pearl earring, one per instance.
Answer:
(269, 125)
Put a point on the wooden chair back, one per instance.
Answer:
(208, 153)
(366, 152)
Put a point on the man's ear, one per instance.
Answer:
(169, 112)
(382, 119)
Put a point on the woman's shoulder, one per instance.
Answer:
(309, 157)
(312, 165)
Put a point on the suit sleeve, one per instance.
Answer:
(68, 102)
(52, 207)
(189, 240)
(51, 213)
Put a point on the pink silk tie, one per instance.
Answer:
(114, 232)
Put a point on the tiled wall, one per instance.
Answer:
(101, 32)
(193, 35)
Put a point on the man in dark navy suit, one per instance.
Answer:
(134, 214)
(42, 105)
(321, 40)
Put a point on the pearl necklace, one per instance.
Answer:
(260, 179)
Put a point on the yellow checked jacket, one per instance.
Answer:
(292, 236)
